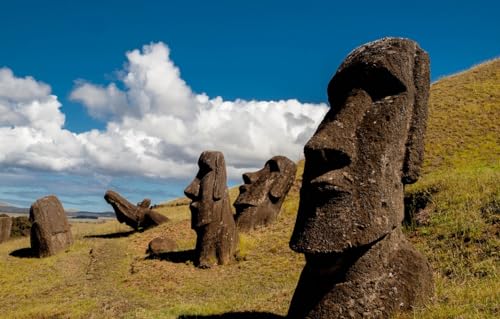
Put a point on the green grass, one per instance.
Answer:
(102, 277)
(461, 175)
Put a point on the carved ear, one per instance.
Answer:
(285, 179)
(415, 143)
(220, 177)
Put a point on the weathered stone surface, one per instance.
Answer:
(263, 193)
(137, 217)
(50, 230)
(5, 227)
(161, 245)
(371, 281)
(211, 215)
(370, 143)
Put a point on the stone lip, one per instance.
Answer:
(137, 217)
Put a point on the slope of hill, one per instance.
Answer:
(459, 194)
(455, 206)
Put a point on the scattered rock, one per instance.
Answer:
(50, 230)
(137, 217)
(211, 215)
(368, 146)
(263, 193)
(161, 245)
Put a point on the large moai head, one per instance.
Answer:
(263, 193)
(367, 147)
(208, 189)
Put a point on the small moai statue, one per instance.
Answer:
(368, 146)
(50, 230)
(263, 193)
(211, 215)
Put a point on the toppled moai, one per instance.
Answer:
(211, 215)
(263, 193)
(5, 227)
(368, 146)
(139, 216)
(50, 230)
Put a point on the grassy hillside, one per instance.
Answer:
(106, 274)
(459, 194)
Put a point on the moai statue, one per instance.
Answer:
(263, 193)
(368, 146)
(5, 227)
(211, 215)
(137, 217)
(50, 230)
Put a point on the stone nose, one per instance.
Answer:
(323, 160)
(193, 189)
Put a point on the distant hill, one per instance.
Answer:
(72, 214)
(13, 210)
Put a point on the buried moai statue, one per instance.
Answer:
(368, 146)
(263, 193)
(137, 217)
(5, 227)
(50, 230)
(211, 215)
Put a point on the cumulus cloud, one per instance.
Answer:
(156, 125)
(31, 133)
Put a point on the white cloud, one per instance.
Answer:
(156, 126)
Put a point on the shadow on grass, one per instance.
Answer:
(176, 257)
(112, 235)
(23, 253)
(236, 315)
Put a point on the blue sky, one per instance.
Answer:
(255, 55)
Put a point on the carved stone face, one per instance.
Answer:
(364, 150)
(207, 189)
(266, 187)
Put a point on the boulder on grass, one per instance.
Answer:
(50, 230)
